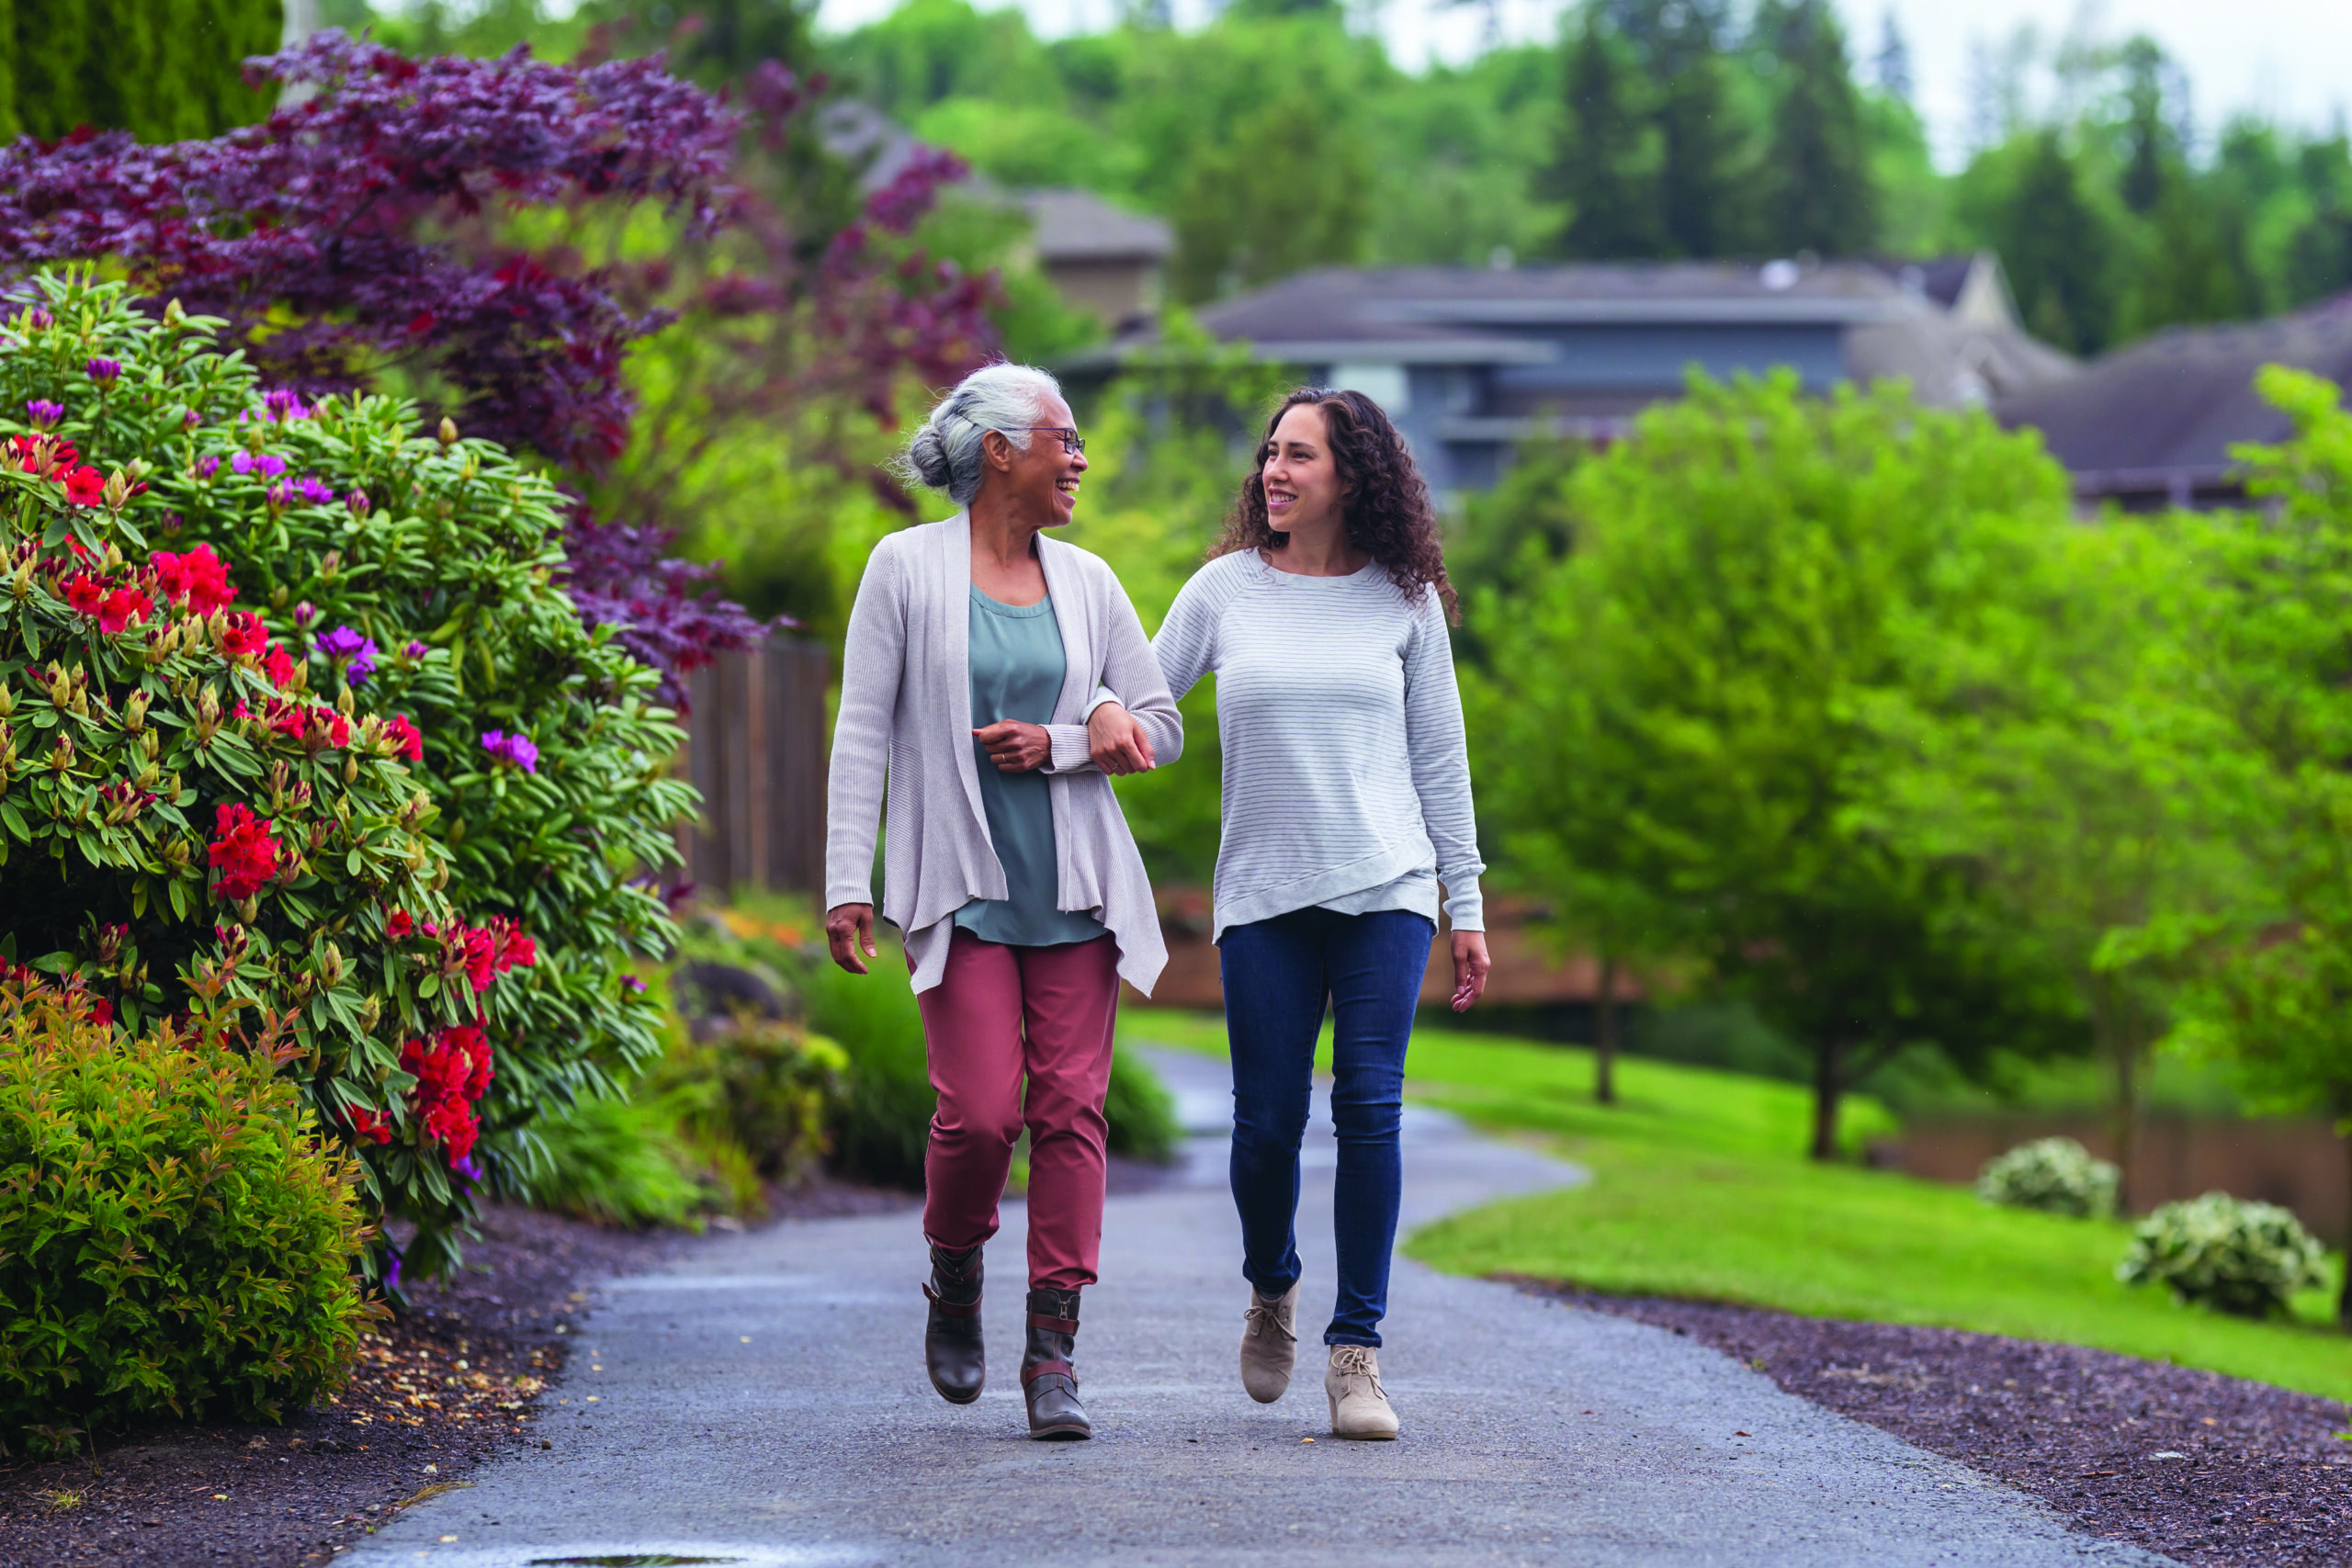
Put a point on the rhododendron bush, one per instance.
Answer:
(294, 706)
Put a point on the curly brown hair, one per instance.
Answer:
(1386, 508)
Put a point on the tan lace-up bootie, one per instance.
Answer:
(1359, 1404)
(1269, 1343)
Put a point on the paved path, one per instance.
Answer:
(764, 1404)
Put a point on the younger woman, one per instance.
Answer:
(1346, 805)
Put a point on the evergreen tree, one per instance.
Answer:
(1243, 217)
(1702, 187)
(2319, 256)
(163, 70)
(1605, 167)
(2057, 248)
(1819, 194)
(1893, 66)
(2152, 154)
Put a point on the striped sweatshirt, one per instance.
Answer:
(1347, 782)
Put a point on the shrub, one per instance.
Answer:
(408, 579)
(2056, 1175)
(174, 1238)
(2243, 1257)
(617, 1159)
(883, 1123)
(1141, 1112)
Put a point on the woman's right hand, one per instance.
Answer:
(849, 930)
(1117, 742)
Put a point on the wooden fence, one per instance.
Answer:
(755, 748)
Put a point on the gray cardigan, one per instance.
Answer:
(906, 714)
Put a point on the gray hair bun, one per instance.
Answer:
(946, 453)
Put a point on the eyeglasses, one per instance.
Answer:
(1072, 442)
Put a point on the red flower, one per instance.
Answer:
(102, 1013)
(278, 666)
(515, 950)
(367, 1126)
(338, 729)
(123, 606)
(85, 595)
(406, 741)
(451, 1074)
(242, 852)
(199, 576)
(399, 925)
(84, 486)
(243, 634)
(482, 956)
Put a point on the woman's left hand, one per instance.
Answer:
(1470, 966)
(1015, 747)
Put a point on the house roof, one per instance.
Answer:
(2167, 410)
(1077, 225)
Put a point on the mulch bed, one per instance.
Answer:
(437, 1391)
(2202, 1468)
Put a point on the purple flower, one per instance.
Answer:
(359, 502)
(467, 1168)
(282, 403)
(316, 494)
(268, 465)
(414, 650)
(207, 465)
(103, 369)
(279, 494)
(191, 418)
(305, 613)
(357, 653)
(38, 319)
(515, 749)
(43, 412)
(632, 985)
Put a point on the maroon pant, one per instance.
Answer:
(1000, 1012)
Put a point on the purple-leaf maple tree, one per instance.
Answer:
(360, 226)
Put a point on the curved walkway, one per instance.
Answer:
(764, 1404)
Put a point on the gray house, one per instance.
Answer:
(1470, 361)
(2152, 425)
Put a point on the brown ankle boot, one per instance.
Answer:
(952, 1348)
(1048, 1380)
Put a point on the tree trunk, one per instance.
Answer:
(1826, 1090)
(2127, 1114)
(1604, 1041)
(2344, 1295)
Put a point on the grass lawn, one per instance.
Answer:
(1699, 1190)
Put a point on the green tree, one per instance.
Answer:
(1675, 708)
(2046, 741)
(2269, 656)
(1285, 189)
(1819, 194)
(2027, 200)
(1605, 165)
(1703, 138)
(163, 70)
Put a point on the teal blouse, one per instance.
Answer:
(1017, 670)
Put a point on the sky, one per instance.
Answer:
(2292, 58)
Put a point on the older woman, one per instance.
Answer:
(975, 649)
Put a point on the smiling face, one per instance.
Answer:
(1043, 482)
(1302, 479)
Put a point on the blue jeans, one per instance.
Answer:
(1277, 975)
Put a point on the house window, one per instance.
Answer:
(1384, 384)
